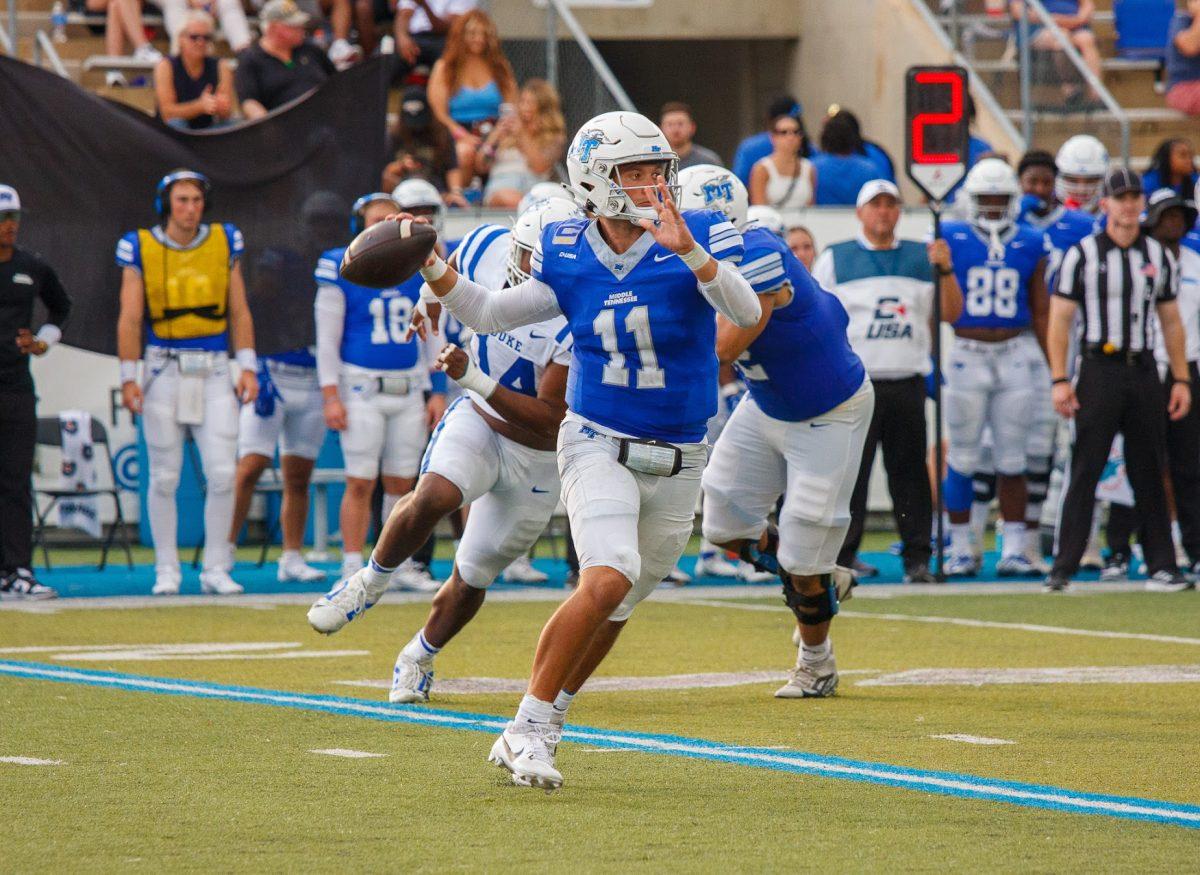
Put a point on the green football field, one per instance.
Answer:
(1009, 732)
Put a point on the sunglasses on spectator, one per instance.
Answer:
(788, 132)
(10, 216)
(199, 37)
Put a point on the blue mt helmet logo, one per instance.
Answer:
(720, 190)
(587, 141)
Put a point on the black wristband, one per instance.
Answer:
(1059, 380)
(945, 272)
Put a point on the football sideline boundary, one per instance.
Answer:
(940, 783)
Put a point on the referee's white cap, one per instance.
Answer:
(874, 188)
(9, 199)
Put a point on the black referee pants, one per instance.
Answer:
(18, 437)
(1183, 462)
(899, 426)
(1117, 397)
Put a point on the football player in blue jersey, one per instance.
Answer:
(990, 380)
(493, 449)
(638, 285)
(799, 432)
(373, 381)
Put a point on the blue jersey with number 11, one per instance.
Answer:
(995, 285)
(644, 361)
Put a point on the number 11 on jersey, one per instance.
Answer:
(637, 323)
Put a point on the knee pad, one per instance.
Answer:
(164, 481)
(984, 487)
(958, 491)
(220, 478)
(812, 610)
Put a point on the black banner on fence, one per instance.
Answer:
(86, 170)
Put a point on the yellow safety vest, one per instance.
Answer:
(187, 290)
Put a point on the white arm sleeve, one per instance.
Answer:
(486, 311)
(330, 315)
(732, 296)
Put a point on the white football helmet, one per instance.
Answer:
(709, 187)
(992, 177)
(544, 191)
(765, 217)
(413, 193)
(602, 145)
(1082, 162)
(528, 230)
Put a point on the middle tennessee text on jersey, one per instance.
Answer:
(801, 365)
(376, 319)
(645, 362)
(515, 359)
(995, 285)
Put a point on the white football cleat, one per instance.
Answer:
(678, 577)
(1015, 565)
(342, 604)
(411, 681)
(1091, 559)
(298, 572)
(216, 581)
(714, 565)
(521, 570)
(747, 573)
(961, 565)
(1033, 552)
(166, 581)
(523, 750)
(413, 577)
(810, 681)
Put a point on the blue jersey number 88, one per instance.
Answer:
(993, 291)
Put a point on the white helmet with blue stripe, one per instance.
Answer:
(602, 145)
(542, 191)
(709, 187)
(417, 193)
(528, 230)
(765, 217)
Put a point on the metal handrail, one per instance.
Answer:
(11, 36)
(1093, 81)
(590, 52)
(6, 42)
(983, 95)
(43, 45)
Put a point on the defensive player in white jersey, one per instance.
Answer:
(373, 379)
(799, 432)
(638, 292)
(493, 449)
(183, 302)
(1001, 268)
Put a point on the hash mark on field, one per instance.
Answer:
(1086, 674)
(348, 754)
(30, 761)
(973, 739)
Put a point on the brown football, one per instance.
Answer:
(388, 253)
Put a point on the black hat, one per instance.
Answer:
(414, 108)
(1122, 181)
(1167, 199)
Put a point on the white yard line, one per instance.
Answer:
(348, 754)
(1087, 674)
(197, 647)
(30, 761)
(154, 656)
(973, 739)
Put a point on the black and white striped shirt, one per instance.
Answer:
(1116, 287)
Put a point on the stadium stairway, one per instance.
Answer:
(1132, 83)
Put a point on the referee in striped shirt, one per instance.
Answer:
(1111, 279)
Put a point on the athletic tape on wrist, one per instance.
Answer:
(128, 372)
(247, 359)
(696, 258)
(435, 271)
(475, 380)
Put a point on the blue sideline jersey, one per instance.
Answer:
(801, 365)
(644, 361)
(1063, 228)
(995, 285)
(375, 320)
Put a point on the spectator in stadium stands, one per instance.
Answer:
(229, 12)
(420, 26)
(24, 279)
(340, 14)
(283, 65)
(1173, 166)
(1075, 18)
(1183, 60)
(123, 23)
(784, 179)
(679, 127)
(842, 166)
(758, 146)
(468, 85)
(423, 150)
(803, 244)
(886, 285)
(523, 147)
(193, 89)
(885, 168)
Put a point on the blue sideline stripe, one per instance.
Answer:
(941, 783)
